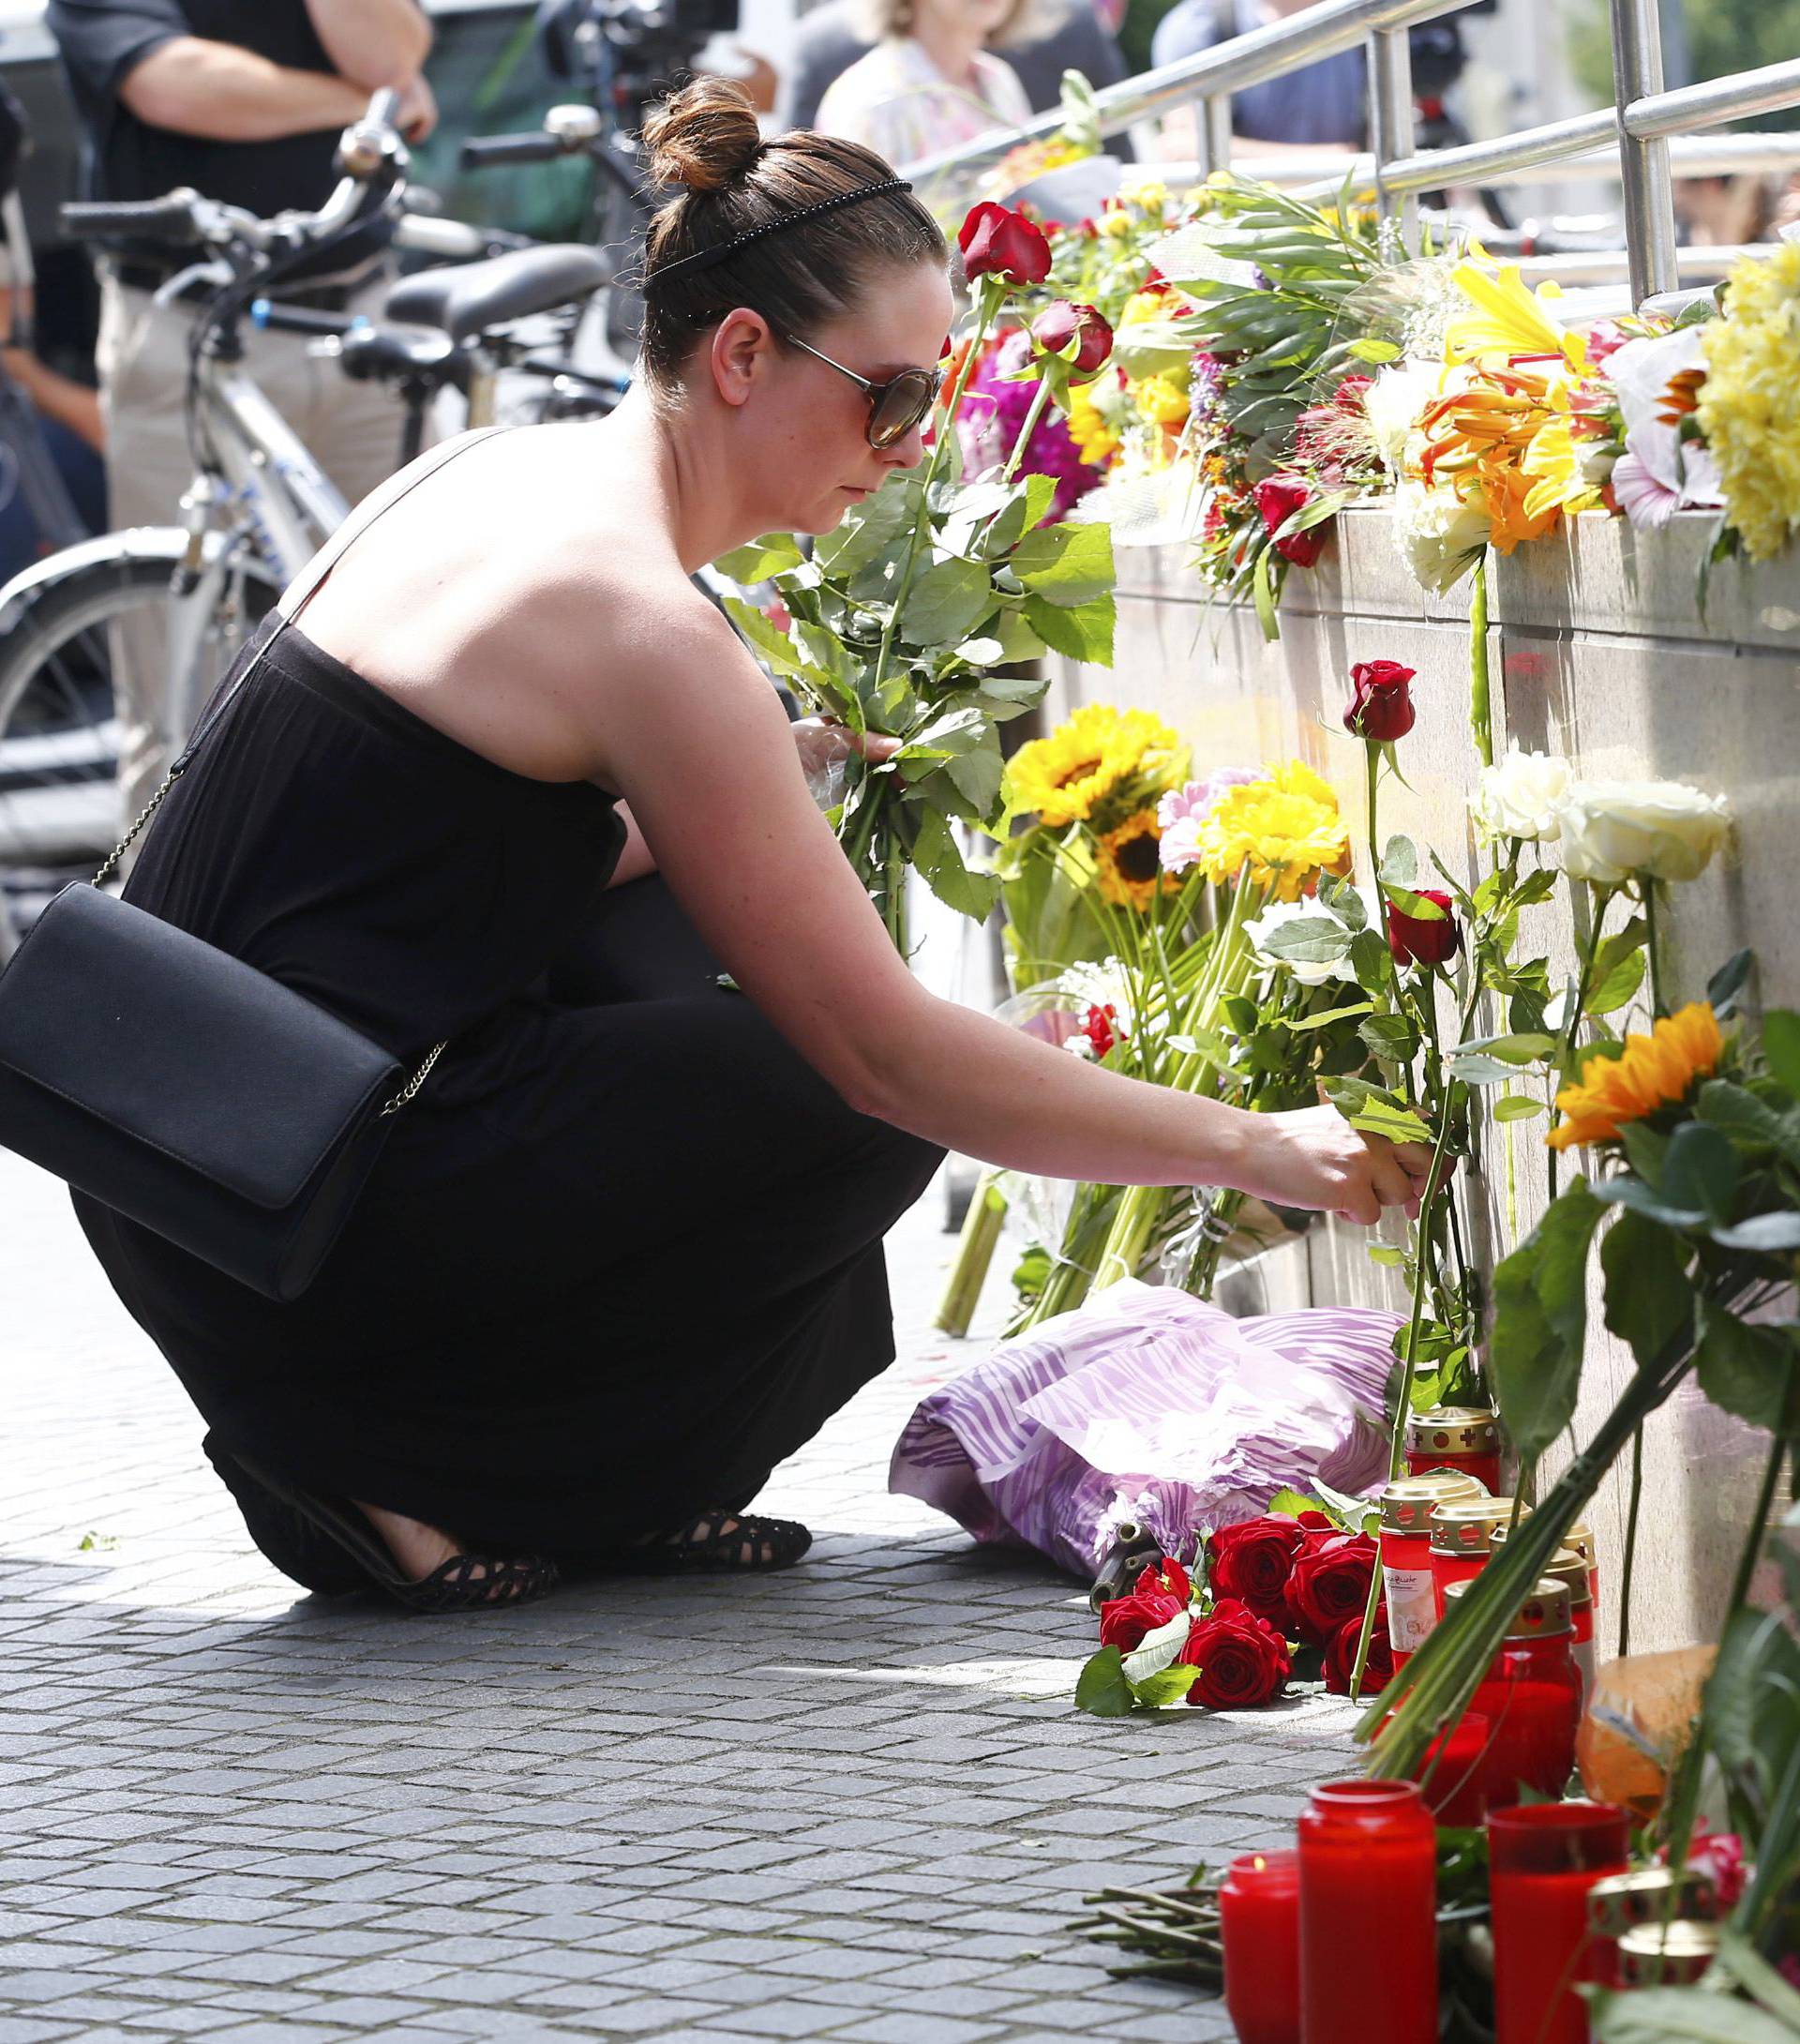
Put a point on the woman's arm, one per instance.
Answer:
(703, 755)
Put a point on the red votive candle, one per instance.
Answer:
(1259, 1917)
(1651, 1896)
(1579, 1538)
(1368, 1915)
(1531, 1697)
(1462, 1532)
(1464, 1438)
(1406, 1507)
(1543, 1860)
(1452, 1775)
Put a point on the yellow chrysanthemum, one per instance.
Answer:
(1095, 440)
(1162, 401)
(1128, 863)
(1653, 1071)
(1747, 409)
(1061, 777)
(1144, 305)
(1283, 832)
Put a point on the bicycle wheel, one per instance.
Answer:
(59, 733)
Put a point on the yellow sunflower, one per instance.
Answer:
(1129, 862)
(1654, 1071)
(1061, 777)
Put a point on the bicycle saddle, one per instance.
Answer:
(465, 300)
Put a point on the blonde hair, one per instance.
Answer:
(1025, 21)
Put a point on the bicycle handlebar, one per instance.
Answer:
(481, 152)
(173, 219)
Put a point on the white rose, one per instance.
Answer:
(1258, 928)
(1392, 404)
(1437, 533)
(1614, 829)
(1521, 795)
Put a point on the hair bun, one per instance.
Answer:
(704, 136)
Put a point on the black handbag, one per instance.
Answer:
(179, 1085)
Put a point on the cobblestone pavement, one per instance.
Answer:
(848, 1802)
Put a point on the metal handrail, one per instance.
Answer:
(1689, 156)
(1637, 128)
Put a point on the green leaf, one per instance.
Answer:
(1018, 641)
(1069, 564)
(976, 773)
(1330, 1015)
(1747, 1120)
(1080, 631)
(1371, 960)
(1517, 1107)
(1399, 863)
(1420, 908)
(1649, 1298)
(1390, 1036)
(1368, 348)
(1308, 939)
(1540, 1321)
(774, 553)
(1378, 1117)
(1645, 1150)
(939, 863)
(869, 530)
(1521, 1048)
(1764, 1234)
(947, 602)
(1726, 984)
(1158, 1648)
(1701, 1171)
(1743, 1369)
(1166, 1686)
(1626, 1191)
(1475, 1070)
(1781, 1046)
(1102, 1690)
(1343, 901)
(1618, 987)
(764, 636)
(1682, 2015)
(1384, 1252)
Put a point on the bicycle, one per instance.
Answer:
(258, 505)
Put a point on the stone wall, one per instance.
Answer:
(1598, 649)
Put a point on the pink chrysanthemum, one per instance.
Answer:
(1182, 810)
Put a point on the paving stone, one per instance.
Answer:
(712, 1812)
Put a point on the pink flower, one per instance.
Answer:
(1182, 812)
(992, 413)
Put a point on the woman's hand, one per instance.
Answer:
(1311, 1157)
(825, 746)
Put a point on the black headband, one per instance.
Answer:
(705, 258)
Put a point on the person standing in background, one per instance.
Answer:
(833, 37)
(1321, 107)
(931, 83)
(243, 100)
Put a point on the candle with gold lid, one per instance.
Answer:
(1464, 1438)
(1580, 1538)
(1666, 1954)
(1570, 1570)
(1647, 1895)
(1461, 1530)
(1406, 1507)
(1531, 1697)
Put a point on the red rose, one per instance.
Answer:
(1252, 1561)
(1243, 1660)
(1168, 1576)
(1126, 1620)
(1330, 1582)
(1060, 323)
(1278, 497)
(1340, 1656)
(1382, 707)
(1413, 940)
(997, 242)
(1097, 1026)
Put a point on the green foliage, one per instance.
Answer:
(1723, 36)
(1648, 1297)
(1540, 1322)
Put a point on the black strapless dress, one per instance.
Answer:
(621, 1255)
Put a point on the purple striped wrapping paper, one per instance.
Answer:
(1151, 1405)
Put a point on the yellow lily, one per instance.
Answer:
(1508, 320)
(1554, 459)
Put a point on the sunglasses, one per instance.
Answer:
(896, 406)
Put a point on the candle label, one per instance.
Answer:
(1412, 1608)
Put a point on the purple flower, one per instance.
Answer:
(993, 410)
(1182, 812)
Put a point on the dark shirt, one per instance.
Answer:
(829, 39)
(1321, 102)
(102, 41)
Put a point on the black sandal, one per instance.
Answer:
(717, 1543)
(464, 1583)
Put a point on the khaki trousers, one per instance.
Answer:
(352, 429)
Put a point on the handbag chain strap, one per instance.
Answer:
(320, 566)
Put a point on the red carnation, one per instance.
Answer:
(1414, 940)
(1252, 1560)
(1278, 497)
(1243, 1660)
(1340, 1656)
(1061, 322)
(1330, 1582)
(997, 241)
(1382, 707)
(1097, 1026)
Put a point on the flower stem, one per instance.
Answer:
(1758, 1533)
(974, 1253)
(1599, 900)
(1647, 896)
(1630, 1541)
(1040, 398)
(1371, 753)
(1480, 687)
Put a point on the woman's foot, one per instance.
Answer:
(721, 1541)
(433, 1562)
